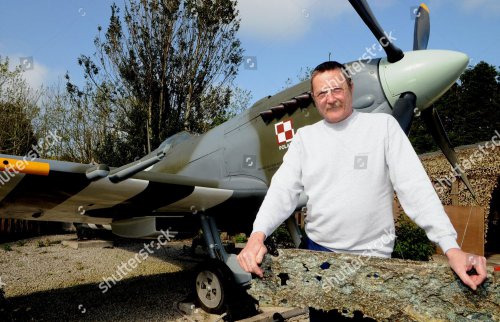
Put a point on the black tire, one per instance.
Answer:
(213, 286)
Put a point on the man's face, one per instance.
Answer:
(332, 95)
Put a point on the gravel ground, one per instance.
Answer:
(43, 280)
(46, 281)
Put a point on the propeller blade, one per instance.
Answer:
(403, 110)
(394, 54)
(422, 28)
(435, 127)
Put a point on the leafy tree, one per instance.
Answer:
(17, 107)
(163, 67)
(470, 110)
(479, 109)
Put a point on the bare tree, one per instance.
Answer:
(80, 125)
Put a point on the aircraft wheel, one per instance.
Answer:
(213, 286)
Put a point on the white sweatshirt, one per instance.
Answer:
(349, 171)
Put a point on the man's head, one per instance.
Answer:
(332, 90)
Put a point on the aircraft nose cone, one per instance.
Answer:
(426, 73)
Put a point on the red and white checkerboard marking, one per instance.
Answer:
(284, 131)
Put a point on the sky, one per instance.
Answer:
(280, 37)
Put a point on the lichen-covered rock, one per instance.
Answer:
(382, 289)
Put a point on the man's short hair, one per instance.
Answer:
(332, 65)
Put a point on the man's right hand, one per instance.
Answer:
(252, 255)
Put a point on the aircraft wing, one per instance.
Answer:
(72, 192)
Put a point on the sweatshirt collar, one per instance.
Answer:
(344, 123)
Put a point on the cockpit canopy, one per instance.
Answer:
(175, 139)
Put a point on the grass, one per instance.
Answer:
(47, 242)
(21, 243)
(42, 243)
(7, 247)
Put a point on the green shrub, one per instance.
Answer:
(240, 238)
(7, 247)
(280, 238)
(283, 237)
(411, 241)
(43, 243)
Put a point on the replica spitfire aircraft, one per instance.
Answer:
(222, 176)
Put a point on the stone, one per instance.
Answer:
(379, 288)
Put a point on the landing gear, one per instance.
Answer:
(214, 285)
(218, 279)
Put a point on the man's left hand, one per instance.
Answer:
(462, 262)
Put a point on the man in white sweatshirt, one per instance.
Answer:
(349, 165)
